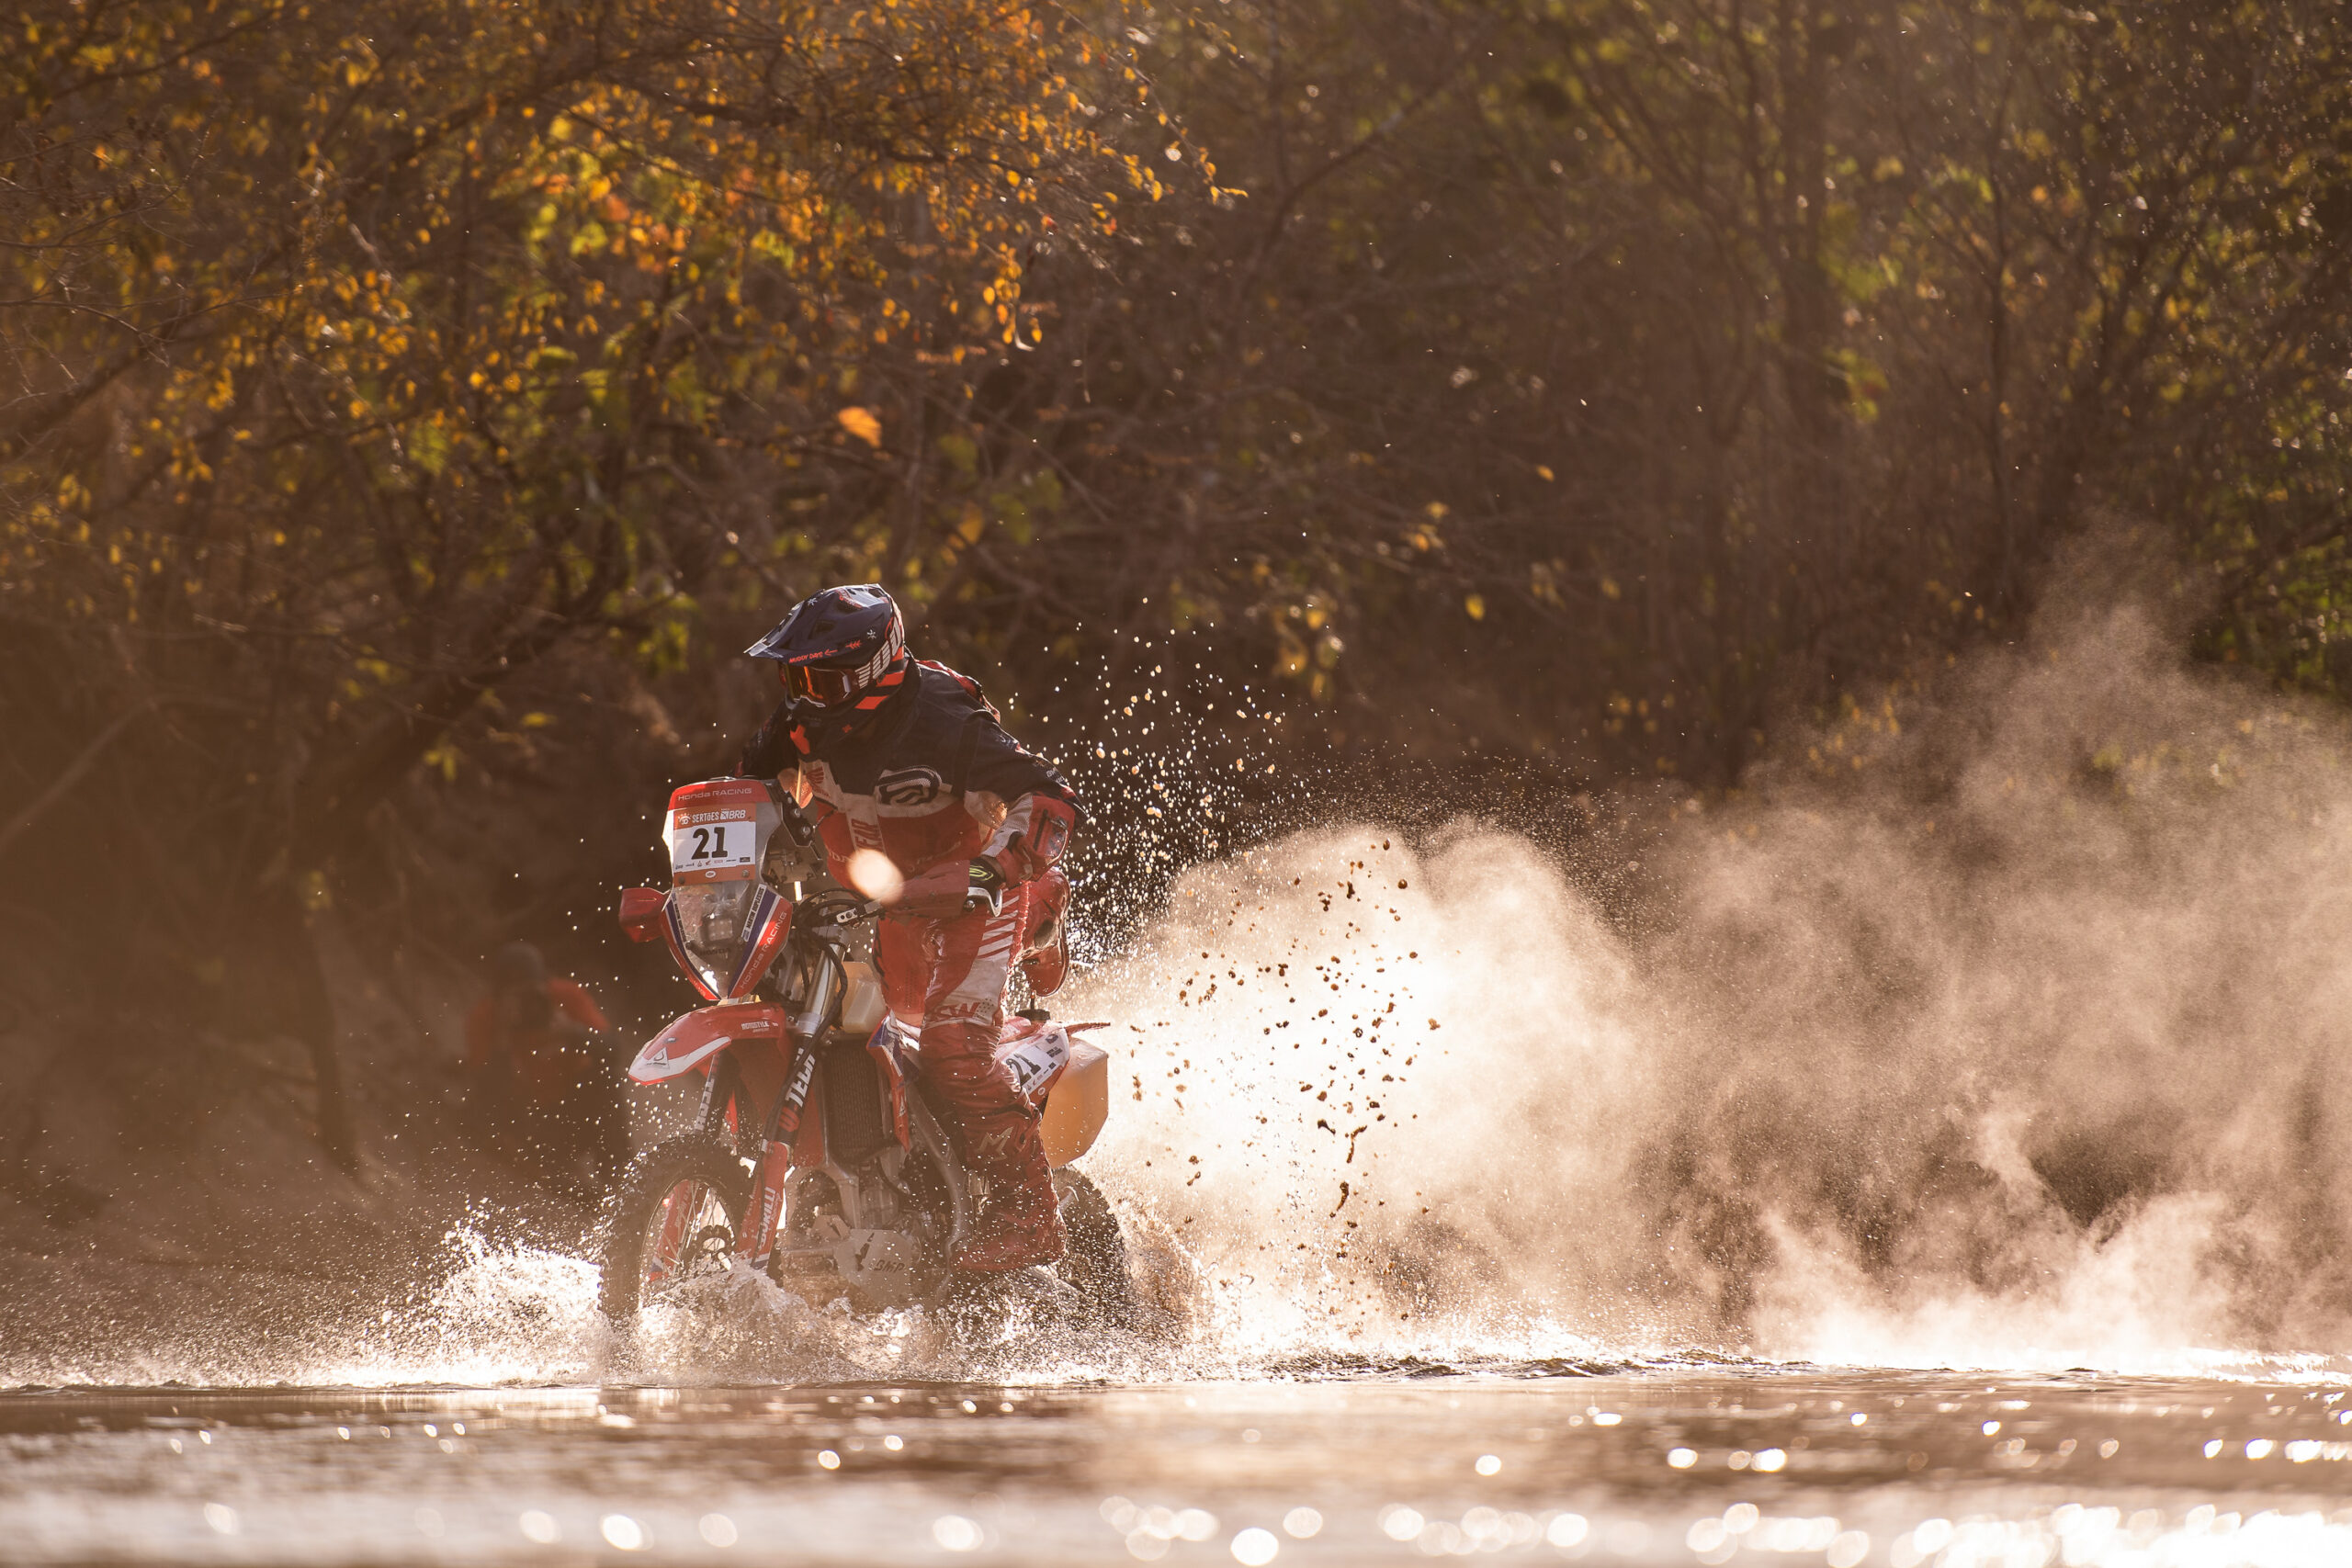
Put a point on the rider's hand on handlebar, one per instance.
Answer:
(947, 891)
(987, 888)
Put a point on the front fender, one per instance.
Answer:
(696, 1037)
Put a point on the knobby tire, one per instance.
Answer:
(697, 1157)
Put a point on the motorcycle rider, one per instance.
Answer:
(905, 757)
(538, 1073)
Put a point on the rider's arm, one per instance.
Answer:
(1035, 830)
(770, 750)
(1029, 811)
(1040, 808)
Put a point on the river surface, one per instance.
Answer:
(1406, 1305)
(1659, 1463)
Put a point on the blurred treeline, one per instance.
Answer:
(410, 408)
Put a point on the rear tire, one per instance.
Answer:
(698, 1170)
(1095, 1264)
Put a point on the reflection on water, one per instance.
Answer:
(1433, 1181)
(1671, 1463)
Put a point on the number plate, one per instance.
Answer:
(713, 830)
(713, 846)
(1036, 1059)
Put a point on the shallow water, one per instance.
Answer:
(1395, 1312)
(1664, 1463)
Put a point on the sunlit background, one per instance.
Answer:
(1697, 637)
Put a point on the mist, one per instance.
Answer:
(1990, 1025)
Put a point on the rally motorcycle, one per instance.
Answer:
(818, 1155)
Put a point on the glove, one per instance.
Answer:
(768, 753)
(947, 891)
(987, 888)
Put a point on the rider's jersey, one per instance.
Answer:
(933, 779)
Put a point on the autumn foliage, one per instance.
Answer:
(364, 354)
(410, 406)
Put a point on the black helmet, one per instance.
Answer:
(834, 647)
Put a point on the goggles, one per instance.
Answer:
(817, 686)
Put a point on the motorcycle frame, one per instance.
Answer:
(764, 1076)
(759, 1057)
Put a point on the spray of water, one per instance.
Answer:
(1995, 1025)
(1998, 1031)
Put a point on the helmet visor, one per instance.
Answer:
(816, 684)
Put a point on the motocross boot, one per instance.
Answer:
(1023, 1224)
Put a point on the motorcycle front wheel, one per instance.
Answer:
(672, 1221)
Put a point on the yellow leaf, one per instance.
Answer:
(1476, 606)
(861, 423)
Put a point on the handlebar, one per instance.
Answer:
(826, 912)
(837, 907)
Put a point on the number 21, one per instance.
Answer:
(710, 844)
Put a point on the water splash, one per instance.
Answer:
(1999, 1029)
(1996, 1034)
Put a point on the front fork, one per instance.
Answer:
(755, 1234)
(755, 1237)
(721, 1116)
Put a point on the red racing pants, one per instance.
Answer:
(948, 977)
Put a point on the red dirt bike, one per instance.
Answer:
(818, 1155)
